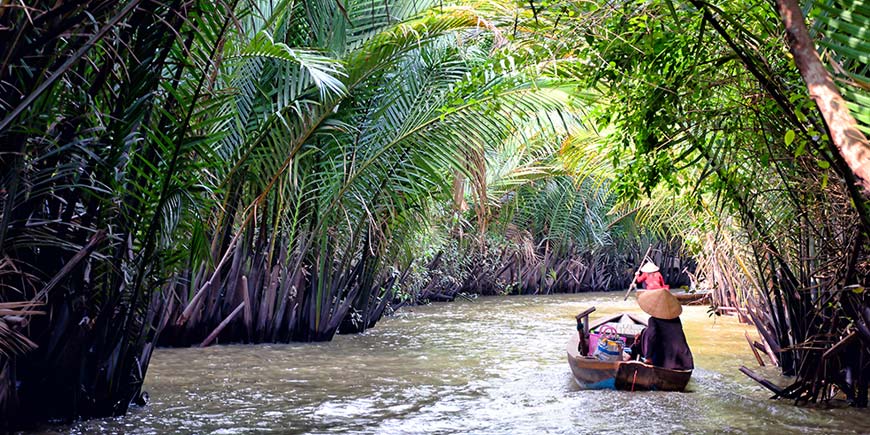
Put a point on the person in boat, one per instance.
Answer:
(650, 277)
(662, 342)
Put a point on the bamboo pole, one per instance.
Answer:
(840, 345)
(221, 326)
(754, 350)
(95, 240)
(246, 303)
(764, 382)
(770, 354)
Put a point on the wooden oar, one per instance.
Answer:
(633, 284)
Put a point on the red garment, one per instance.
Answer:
(652, 281)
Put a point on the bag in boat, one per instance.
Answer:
(610, 345)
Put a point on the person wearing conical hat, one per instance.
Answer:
(650, 277)
(663, 342)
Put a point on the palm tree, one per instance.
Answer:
(100, 125)
(318, 188)
(844, 35)
(724, 125)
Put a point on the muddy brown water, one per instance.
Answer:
(492, 366)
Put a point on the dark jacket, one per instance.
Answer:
(664, 344)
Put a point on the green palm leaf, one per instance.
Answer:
(842, 28)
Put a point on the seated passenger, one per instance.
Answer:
(663, 342)
(651, 278)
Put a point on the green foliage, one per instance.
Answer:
(840, 27)
(103, 200)
(299, 160)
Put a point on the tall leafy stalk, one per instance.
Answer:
(99, 186)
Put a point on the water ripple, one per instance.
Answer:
(493, 366)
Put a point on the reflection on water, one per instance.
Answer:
(493, 366)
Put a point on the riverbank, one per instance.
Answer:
(495, 365)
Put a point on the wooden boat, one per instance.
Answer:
(697, 298)
(591, 373)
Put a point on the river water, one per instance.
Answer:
(492, 366)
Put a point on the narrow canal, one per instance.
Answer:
(492, 366)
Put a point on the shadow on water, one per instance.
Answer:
(492, 366)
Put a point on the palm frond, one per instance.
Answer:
(841, 28)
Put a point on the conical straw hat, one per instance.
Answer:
(649, 267)
(659, 303)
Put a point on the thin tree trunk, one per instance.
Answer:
(222, 325)
(849, 141)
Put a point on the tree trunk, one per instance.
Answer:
(851, 144)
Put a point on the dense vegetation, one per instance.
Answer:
(183, 173)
